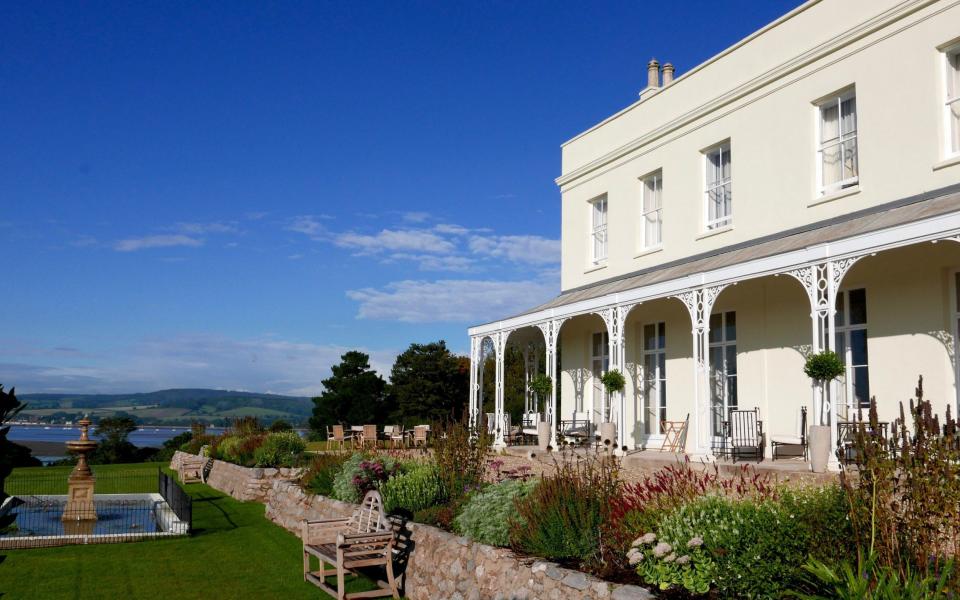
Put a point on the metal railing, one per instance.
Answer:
(180, 502)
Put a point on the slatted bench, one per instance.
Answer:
(363, 540)
(193, 469)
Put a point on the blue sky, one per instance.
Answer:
(231, 195)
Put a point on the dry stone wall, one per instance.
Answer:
(433, 564)
(242, 483)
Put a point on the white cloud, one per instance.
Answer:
(264, 364)
(430, 262)
(529, 249)
(416, 216)
(450, 229)
(156, 241)
(456, 301)
(295, 256)
(401, 240)
(308, 225)
(201, 228)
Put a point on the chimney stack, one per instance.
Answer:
(653, 73)
(667, 74)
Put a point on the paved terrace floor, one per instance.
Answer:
(641, 463)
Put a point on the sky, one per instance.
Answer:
(231, 195)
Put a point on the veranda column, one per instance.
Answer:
(814, 280)
(526, 379)
(551, 338)
(474, 400)
(499, 344)
(835, 271)
(699, 304)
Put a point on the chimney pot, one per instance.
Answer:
(667, 74)
(653, 74)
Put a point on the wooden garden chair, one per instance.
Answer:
(369, 436)
(674, 435)
(340, 437)
(362, 540)
(797, 440)
(394, 434)
(420, 435)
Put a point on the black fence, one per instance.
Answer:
(110, 479)
(179, 501)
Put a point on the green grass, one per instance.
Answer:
(235, 552)
(111, 479)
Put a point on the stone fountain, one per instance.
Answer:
(80, 514)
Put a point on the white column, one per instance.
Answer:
(499, 343)
(551, 338)
(474, 400)
(699, 304)
(526, 379)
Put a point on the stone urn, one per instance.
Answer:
(543, 435)
(819, 447)
(608, 433)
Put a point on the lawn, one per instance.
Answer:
(111, 479)
(235, 552)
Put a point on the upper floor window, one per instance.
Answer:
(952, 109)
(652, 211)
(838, 142)
(718, 191)
(598, 232)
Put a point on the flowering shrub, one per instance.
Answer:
(744, 548)
(360, 474)
(640, 506)
(281, 449)
(237, 449)
(415, 487)
(561, 518)
(323, 468)
(486, 516)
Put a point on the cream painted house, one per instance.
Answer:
(798, 191)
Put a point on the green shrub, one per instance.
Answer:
(751, 549)
(320, 473)
(460, 456)
(821, 514)
(228, 448)
(361, 473)
(561, 518)
(873, 581)
(280, 449)
(196, 442)
(824, 366)
(487, 514)
(415, 488)
(237, 449)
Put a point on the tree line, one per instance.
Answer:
(428, 383)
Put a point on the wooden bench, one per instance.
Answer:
(192, 470)
(363, 540)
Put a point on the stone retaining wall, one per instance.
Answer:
(433, 563)
(242, 483)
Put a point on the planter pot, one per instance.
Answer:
(543, 436)
(819, 448)
(608, 431)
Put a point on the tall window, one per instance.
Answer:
(956, 333)
(952, 109)
(652, 210)
(599, 363)
(851, 344)
(599, 229)
(723, 368)
(655, 376)
(718, 191)
(838, 143)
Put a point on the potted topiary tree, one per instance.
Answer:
(614, 382)
(541, 386)
(822, 367)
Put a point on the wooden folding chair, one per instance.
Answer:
(674, 435)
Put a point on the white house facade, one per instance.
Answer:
(799, 191)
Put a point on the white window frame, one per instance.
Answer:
(723, 343)
(845, 329)
(951, 86)
(599, 243)
(655, 383)
(656, 178)
(720, 185)
(596, 370)
(837, 99)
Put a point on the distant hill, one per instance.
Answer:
(170, 407)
